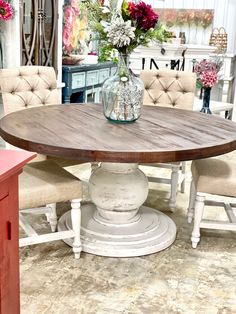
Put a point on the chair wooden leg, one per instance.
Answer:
(191, 204)
(76, 224)
(174, 188)
(198, 212)
(52, 216)
(183, 170)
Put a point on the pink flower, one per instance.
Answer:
(68, 15)
(6, 11)
(182, 17)
(207, 72)
(143, 15)
(75, 7)
(208, 78)
(66, 35)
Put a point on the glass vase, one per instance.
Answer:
(206, 100)
(122, 94)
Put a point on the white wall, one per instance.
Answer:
(10, 37)
(224, 13)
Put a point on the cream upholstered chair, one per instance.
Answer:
(169, 88)
(211, 176)
(44, 182)
(30, 86)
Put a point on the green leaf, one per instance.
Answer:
(124, 10)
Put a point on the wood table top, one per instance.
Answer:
(80, 131)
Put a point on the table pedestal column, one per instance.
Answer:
(117, 224)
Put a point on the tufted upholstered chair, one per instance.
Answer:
(28, 86)
(31, 86)
(169, 88)
(211, 176)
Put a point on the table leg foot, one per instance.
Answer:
(150, 232)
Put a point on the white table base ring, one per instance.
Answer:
(118, 225)
(152, 232)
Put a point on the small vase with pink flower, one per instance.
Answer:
(207, 76)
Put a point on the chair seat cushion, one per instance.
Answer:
(214, 176)
(45, 182)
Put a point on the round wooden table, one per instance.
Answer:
(117, 224)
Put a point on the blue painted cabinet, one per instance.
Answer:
(83, 82)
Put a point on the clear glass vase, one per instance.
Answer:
(122, 94)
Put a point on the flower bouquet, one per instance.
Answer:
(207, 76)
(121, 26)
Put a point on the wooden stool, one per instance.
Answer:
(211, 176)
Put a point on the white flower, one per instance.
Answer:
(124, 78)
(105, 25)
(106, 3)
(105, 9)
(120, 33)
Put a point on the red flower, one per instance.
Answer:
(6, 11)
(143, 14)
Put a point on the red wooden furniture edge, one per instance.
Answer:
(11, 164)
(12, 161)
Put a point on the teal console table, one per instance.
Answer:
(82, 81)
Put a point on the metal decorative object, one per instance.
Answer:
(39, 20)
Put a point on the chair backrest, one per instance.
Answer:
(28, 86)
(169, 88)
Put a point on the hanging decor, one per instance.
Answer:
(219, 39)
(195, 23)
(75, 34)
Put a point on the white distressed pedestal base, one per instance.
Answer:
(118, 225)
(151, 232)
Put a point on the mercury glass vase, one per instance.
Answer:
(122, 94)
(206, 100)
